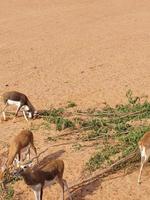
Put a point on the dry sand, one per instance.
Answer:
(86, 51)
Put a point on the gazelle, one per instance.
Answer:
(144, 146)
(38, 177)
(24, 140)
(21, 101)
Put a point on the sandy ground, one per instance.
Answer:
(89, 52)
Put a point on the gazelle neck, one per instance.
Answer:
(29, 104)
(28, 177)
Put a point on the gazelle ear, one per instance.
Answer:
(30, 164)
(17, 162)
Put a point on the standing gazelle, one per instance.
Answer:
(23, 141)
(21, 101)
(144, 146)
(39, 177)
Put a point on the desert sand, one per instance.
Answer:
(89, 52)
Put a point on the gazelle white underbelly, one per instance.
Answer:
(46, 184)
(11, 102)
(36, 187)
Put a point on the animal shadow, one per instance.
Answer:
(88, 188)
(52, 156)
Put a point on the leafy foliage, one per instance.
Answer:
(101, 156)
(56, 116)
(108, 124)
(8, 194)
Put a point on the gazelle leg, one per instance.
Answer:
(67, 188)
(37, 194)
(41, 195)
(141, 168)
(16, 113)
(19, 155)
(61, 183)
(25, 116)
(18, 158)
(16, 161)
(144, 159)
(34, 149)
(28, 153)
(3, 112)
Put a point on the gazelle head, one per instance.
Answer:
(35, 113)
(22, 168)
(30, 112)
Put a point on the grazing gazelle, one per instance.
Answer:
(21, 101)
(144, 146)
(21, 142)
(39, 177)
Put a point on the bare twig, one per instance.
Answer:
(110, 170)
(115, 115)
(74, 131)
(96, 115)
(36, 157)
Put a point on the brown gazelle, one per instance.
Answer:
(21, 101)
(144, 146)
(38, 177)
(21, 142)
